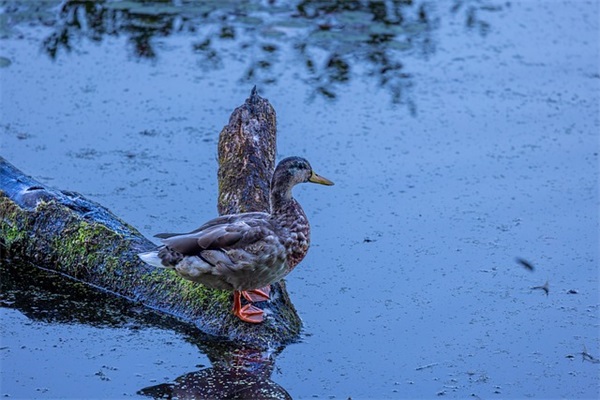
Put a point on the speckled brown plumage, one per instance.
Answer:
(246, 251)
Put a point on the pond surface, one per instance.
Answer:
(461, 136)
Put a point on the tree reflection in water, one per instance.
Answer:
(325, 43)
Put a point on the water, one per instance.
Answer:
(459, 139)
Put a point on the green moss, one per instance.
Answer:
(112, 264)
(193, 296)
(81, 248)
(12, 233)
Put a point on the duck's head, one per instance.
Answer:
(292, 171)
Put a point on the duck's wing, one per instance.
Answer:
(223, 219)
(222, 233)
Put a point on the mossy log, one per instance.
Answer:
(67, 233)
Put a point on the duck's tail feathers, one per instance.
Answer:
(151, 258)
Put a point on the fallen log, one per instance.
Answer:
(64, 232)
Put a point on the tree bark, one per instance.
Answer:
(67, 233)
(247, 147)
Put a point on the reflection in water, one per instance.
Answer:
(236, 372)
(330, 42)
(218, 383)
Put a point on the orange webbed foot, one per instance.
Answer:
(251, 314)
(256, 295)
(248, 313)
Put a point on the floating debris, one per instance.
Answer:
(545, 287)
(525, 264)
(585, 356)
(426, 366)
(572, 291)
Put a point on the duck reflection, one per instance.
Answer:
(237, 371)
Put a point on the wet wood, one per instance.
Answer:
(247, 147)
(64, 232)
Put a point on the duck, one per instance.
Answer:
(247, 252)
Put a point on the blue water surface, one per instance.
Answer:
(460, 135)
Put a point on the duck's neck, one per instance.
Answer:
(285, 208)
(291, 217)
(281, 200)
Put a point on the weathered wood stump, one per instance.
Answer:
(247, 147)
(67, 233)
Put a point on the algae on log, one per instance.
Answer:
(64, 232)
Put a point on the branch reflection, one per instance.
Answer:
(325, 44)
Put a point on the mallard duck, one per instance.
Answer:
(245, 252)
